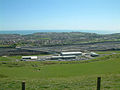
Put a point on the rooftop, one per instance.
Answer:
(71, 52)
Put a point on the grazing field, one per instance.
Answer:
(61, 75)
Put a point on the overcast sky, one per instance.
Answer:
(60, 15)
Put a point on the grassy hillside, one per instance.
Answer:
(74, 75)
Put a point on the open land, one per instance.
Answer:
(59, 75)
(68, 75)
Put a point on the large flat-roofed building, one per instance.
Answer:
(29, 57)
(63, 57)
(70, 53)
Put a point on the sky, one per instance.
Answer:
(101, 15)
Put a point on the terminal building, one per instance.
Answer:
(29, 58)
(70, 53)
(62, 57)
(93, 54)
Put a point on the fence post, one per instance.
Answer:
(98, 83)
(23, 85)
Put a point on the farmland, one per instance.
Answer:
(62, 75)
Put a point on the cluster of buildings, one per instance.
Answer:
(61, 56)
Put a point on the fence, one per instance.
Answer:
(98, 84)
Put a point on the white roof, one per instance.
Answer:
(71, 52)
(29, 56)
(94, 53)
(62, 56)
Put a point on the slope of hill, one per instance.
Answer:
(74, 75)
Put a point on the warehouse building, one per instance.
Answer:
(70, 53)
(93, 54)
(29, 58)
(62, 57)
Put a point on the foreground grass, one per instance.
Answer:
(58, 75)
(109, 82)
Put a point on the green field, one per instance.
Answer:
(108, 52)
(61, 75)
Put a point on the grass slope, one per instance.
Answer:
(74, 75)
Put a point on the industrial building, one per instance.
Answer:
(29, 58)
(70, 53)
(62, 57)
(93, 54)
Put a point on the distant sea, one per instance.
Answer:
(24, 32)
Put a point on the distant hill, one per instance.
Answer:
(55, 38)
